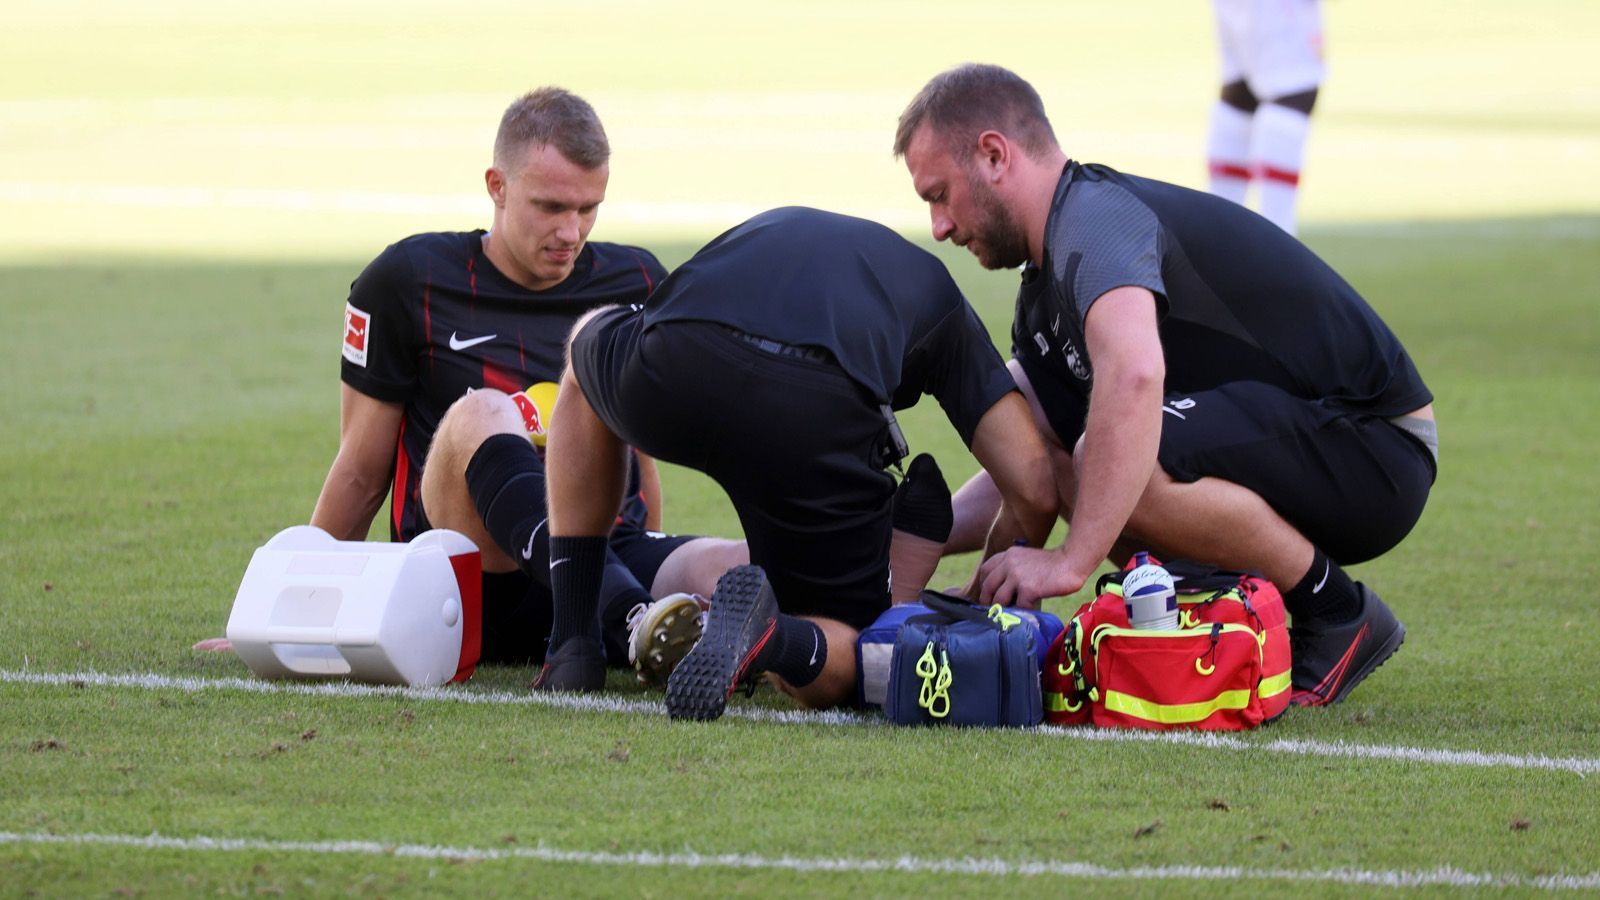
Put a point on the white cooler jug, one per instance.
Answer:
(313, 607)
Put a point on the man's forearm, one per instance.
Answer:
(1122, 435)
(347, 504)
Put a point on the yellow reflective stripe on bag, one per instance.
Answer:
(1273, 685)
(1179, 714)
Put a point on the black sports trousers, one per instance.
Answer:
(784, 431)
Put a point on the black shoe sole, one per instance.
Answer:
(1386, 650)
(699, 687)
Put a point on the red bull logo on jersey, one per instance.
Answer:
(535, 404)
(531, 416)
(356, 324)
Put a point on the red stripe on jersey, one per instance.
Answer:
(427, 324)
(648, 284)
(472, 276)
(399, 498)
(1230, 170)
(500, 378)
(1283, 176)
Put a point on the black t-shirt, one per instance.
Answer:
(431, 319)
(887, 310)
(1238, 299)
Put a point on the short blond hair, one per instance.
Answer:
(552, 116)
(961, 103)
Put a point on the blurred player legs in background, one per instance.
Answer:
(1272, 65)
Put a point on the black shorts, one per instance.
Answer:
(517, 612)
(786, 433)
(1353, 484)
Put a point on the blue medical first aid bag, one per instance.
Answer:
(964, 664)
(875, 646)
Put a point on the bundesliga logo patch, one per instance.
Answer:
(355, 335)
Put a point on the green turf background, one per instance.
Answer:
(186, 190)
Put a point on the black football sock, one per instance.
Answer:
(796, 652)
(1324, 595)
(619, 594)
(506, 480)
(922, 502)
(577, 568)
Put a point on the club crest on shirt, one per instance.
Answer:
(356, 323)
(1069, 352)
(1075, 360)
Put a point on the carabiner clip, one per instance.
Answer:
(999, 616)
(926, 668)
(941, 689)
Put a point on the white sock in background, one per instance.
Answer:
(1277, 147)
(1228, 151)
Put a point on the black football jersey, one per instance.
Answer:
(1238, 299)
(431, 319)
(887, 310)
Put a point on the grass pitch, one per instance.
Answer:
(134, 498)
(188, 191)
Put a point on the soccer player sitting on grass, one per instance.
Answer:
(771, 361)
(1209, 388)
(451, 336)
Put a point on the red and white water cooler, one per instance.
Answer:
(314, 607)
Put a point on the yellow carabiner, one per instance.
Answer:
(927, 669)
(1067, 669)
(941, 689)
(1072, 707)
(1005, 620)
(1187, 619)
(1203, 669)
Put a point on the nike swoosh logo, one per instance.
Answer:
(1330, 684)
(458, 344)
(527, 552)
(816, 645)
(1328, 567)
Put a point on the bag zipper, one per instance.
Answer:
(1239, 593)
(1214, 629)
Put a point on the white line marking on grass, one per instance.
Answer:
(1445, 876)
(576, 702)
(1211, 740)
(1578, 765)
